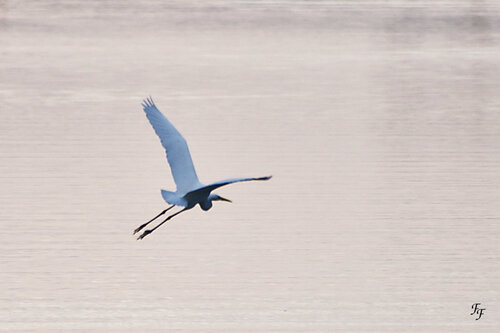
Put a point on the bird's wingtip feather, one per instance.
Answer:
(148, 102)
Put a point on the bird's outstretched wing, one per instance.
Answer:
(209, 188)
(175, 145)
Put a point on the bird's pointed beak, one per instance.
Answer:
(224, 199)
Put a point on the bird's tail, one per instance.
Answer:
(173, 198)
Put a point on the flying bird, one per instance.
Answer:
(190, 191)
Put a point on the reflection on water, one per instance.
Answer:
(379, 122)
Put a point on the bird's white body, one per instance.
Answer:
(190, 191)
(177, 199)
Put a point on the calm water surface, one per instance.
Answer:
(380, 122)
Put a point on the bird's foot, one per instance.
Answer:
(140, 228)
(144, 234)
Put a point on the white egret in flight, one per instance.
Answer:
(190, 191)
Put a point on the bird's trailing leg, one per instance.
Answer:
(147, 232)
(154, 218)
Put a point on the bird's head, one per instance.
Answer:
(216, 197)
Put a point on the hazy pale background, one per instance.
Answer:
(380, 122)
